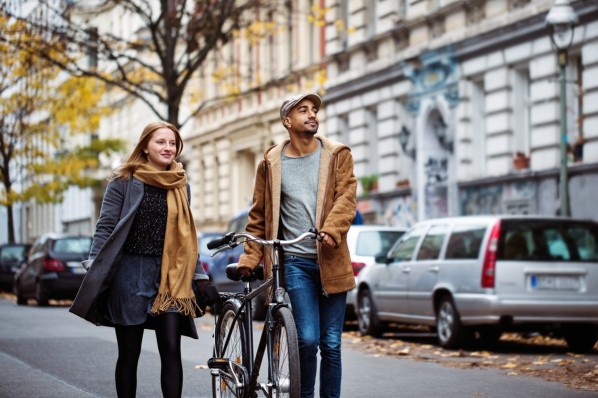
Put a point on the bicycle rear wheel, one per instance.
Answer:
(235, 351)
(285, 356)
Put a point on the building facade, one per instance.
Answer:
(450, 107)
(453, 106)
(227, 139)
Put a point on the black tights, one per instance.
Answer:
(168, 336)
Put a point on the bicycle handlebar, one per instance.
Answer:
(226, 239)
(229, 240)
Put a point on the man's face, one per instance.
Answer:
(303, 117)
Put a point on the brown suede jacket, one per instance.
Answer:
(334, 213)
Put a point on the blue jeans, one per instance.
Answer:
(319, 319)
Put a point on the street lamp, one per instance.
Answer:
(561, 21)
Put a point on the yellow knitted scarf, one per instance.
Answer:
(179, 256)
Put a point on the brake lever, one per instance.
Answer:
(315, 231)
(221, 249)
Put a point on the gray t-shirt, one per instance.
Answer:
(298, 200)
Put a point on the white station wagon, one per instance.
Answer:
(485, 275)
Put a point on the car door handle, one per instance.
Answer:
(434, 269)
(406, 270)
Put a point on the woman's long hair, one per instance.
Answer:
(138, 157)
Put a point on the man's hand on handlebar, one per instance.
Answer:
(327, 239)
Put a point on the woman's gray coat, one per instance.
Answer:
(121, 201)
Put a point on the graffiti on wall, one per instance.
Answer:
(436, 191)
(516, 198)
(436, 170)
(481, 200)
(436, 201)
(400, 212)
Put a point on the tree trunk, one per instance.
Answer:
(11, 224)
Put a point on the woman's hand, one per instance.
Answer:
(202, 282)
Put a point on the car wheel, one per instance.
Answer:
(367, 316)
(21, 300)
(40, 295)
(451, 333)
(581, 338)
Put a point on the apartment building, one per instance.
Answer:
(227, 139)
(453, 106)
(450, 106)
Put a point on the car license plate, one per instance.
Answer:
(555, 282)
(76, 267)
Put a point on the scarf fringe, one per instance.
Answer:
(165, 302)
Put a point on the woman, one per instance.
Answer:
(144, 259)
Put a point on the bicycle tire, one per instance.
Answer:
(236, 350)
(285, 355)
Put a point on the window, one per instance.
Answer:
(72, 245)
(478, 128)
(403, 250)
(400, 7)
(92, 47)
(575, 117)
(542, 240)
(12, 253)
(432, 244)
(372, 144)
(370, 19)
(373, 243)
(290, 31)
(343, 129)
(343, 25)
(521, 111)
(465, 242)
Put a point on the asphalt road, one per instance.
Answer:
(48, 352)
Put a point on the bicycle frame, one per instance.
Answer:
(243, 303)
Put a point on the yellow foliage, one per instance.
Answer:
(47, 108)
(77, 104)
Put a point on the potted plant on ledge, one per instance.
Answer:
(520, 161)
(369, 183)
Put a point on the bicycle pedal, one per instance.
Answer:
(218, 363)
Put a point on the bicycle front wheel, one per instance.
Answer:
(284, 357)
(233, 348)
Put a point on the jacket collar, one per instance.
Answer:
(273, 158)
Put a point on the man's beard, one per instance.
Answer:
(312, 131)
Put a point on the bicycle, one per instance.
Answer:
(234, 368)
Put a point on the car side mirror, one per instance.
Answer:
(383, 259)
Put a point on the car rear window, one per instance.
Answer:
(12, 253)
(547, 240)
(373, 243)
(72, 245)
(465, 242)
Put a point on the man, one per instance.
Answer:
(303, 182)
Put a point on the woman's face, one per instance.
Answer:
(161, 148)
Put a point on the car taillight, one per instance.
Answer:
(51, 264)
(357, 267)
(489, 266)
(204, 265)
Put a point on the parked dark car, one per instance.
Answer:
(53, 268)
(217, 270)
(11, 257)
(205, 254)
